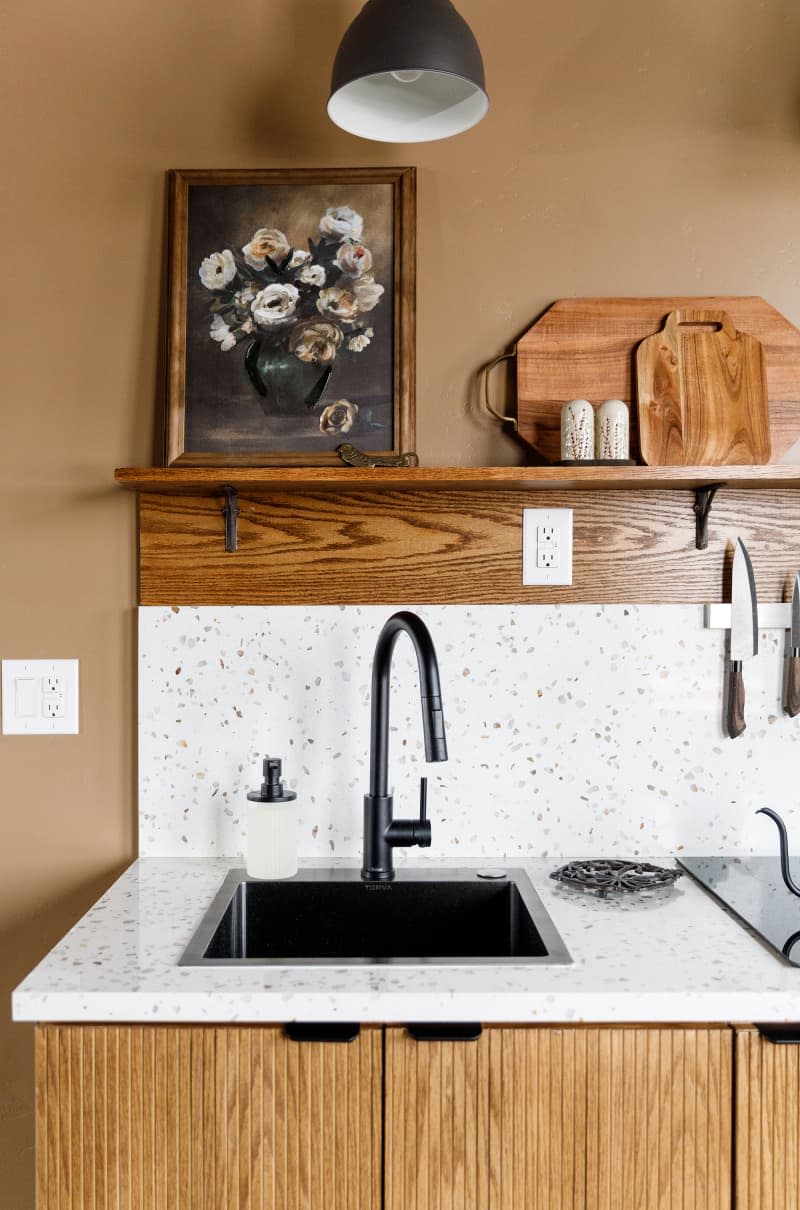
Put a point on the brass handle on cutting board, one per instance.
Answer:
(486, 371)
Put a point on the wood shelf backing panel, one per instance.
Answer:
(767, 1123)
(200, 1118)
(560, 1118)
(456, 547)
(449, 478)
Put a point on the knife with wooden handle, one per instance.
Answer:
(793, 683)
(744, 634)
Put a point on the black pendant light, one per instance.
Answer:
(408, 71)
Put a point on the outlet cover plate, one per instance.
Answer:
(533, 519)
(29, 705)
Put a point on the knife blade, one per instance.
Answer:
(744, 634)
(793, 683)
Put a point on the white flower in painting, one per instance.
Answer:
(312, 275)
(357, 344)
(367, 293)
(267, 242)
(244, 297)
(338, 417)
(274, 305)
(315, 342)
(247, 327)
(338, 303)
(222, 333)
(353, 259)
(217, 270)
(299, 257)
(341, 222)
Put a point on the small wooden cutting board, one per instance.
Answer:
(702, 393)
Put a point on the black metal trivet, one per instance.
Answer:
(615, 875)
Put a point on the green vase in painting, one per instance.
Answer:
(287, 386)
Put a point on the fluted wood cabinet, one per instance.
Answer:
(206, 1118)
(767, 1123)
(151, 1117)
(563, 1118)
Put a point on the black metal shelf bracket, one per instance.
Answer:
(230, 511)
(703, 499)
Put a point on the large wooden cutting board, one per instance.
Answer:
(585, 348)
(702, 393)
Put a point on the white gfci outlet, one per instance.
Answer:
(53, 705)
(40, 697)
(547, 546)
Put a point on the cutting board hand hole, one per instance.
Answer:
(699, 325)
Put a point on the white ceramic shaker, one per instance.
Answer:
(612, 436)
(577, 431)
(272, 826)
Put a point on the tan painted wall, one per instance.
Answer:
(629, 149)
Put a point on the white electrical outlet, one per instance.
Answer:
(547, 546)
(548, 553)
(53, 705)
(40, 697)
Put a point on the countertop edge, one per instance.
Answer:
(393, 1008)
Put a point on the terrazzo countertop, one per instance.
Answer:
(673, 956)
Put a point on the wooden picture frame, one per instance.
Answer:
(291, 315)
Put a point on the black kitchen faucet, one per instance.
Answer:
(381, 832)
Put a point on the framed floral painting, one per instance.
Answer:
(291, 315)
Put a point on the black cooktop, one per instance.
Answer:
(754, 891)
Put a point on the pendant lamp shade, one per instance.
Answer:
(408, 71)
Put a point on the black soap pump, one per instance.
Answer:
(272, 826)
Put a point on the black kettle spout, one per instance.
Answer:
(784, 843)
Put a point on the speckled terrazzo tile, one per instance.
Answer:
(675, 956)
(578, 728)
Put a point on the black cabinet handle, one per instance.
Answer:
(788, 1035)
(322, 1031)
(461, 1031)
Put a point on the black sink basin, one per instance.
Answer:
(331, 917)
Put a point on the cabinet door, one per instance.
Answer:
(767, 1123)
(184, 1118)
(528, 1118)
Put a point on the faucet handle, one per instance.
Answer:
(422, 828)
(406, 832)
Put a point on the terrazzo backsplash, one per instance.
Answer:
(572, 730)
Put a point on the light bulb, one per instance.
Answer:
(407, 77)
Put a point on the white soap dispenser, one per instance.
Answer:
(272, 826)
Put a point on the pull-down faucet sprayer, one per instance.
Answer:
(381, 832)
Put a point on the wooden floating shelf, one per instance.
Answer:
(199, 480)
